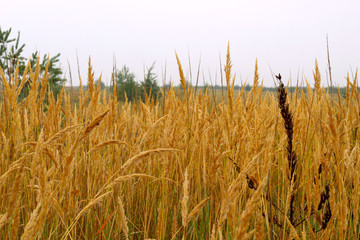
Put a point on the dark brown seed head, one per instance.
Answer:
(320, 169)
(251, 181)
(327, 216)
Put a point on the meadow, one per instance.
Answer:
(252, 165)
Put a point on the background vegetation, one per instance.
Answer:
(14, 64)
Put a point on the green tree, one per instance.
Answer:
(248, 88)
(55, 81)
(11, 54)
(127, 84)
(149, 85)
(102, 84)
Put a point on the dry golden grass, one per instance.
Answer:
(189, 169)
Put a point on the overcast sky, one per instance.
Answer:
(286, 35)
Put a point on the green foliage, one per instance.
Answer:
(102, 84)
(11, 54)
(127, 86)
(149, 85)
(55, 81)
(248, 87)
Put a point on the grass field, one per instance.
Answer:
(251, 166)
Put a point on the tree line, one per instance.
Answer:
(12, 56)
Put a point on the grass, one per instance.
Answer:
(254, 165)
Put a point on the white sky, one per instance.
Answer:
(286, 35)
